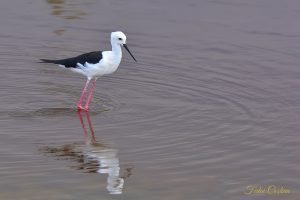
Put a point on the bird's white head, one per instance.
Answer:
(118, 37)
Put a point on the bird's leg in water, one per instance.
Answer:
(79, 103)
(86, 107)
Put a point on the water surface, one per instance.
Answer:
(211, 107)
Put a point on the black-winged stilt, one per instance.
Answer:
(95, 64)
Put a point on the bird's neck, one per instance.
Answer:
(116, 49)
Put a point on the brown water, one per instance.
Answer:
(212, 106)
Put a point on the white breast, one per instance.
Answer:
(107, 65)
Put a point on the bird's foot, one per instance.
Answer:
(79, 107)
(86, 108)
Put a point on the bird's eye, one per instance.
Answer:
(120, 38)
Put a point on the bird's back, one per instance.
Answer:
(91, 57)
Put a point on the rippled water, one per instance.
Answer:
(211, 108)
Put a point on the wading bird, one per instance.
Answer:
(95, 64)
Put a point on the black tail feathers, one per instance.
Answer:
(47, 61)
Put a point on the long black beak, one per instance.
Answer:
(126, 47)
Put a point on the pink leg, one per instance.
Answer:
(79, 103)
(83, 126)
(86, 107)
(93, 140)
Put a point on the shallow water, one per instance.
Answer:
(211, 107)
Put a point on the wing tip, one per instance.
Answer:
(46, 61)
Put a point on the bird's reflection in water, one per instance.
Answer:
(93, 157)
(107, 158)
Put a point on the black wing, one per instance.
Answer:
(92, 57)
